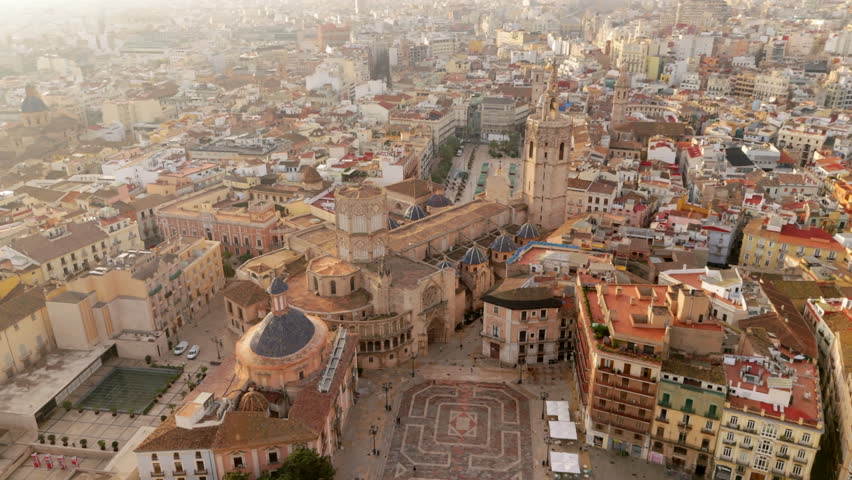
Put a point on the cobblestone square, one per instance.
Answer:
(461, 431)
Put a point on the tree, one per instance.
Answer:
(305, 464)
(228, 269)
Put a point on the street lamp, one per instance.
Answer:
(544, 396)
(386, 387)
(413, 357)
(520, 373)
(373, 431)
(547, 441)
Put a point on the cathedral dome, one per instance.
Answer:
(392, 223)
(279, 336)
(473, 256)
(415, 212)
(438, 201)
(254, 401)
(503, 244)
(445, 264)
(278, 286)
(528, 231)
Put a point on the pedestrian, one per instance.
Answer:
(397, 420)
(415, 468)
(471, 369)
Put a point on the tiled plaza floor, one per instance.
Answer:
(463, 431)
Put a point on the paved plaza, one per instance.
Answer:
(461, 430)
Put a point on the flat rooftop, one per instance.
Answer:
(27, 392)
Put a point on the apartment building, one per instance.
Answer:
(241, 226)
(690, 398)
(25, 331)
(771, 86)
(800, 141)
(768, 245)
(832, 320)
(141, 291)
(622, 334)
(61, 252)
(772, 422)
(502, 116)
(522, 325)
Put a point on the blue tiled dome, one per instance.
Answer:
(528, 231)
(415, 212)
(279, 286)
(392, 223)
(438, 201)
(503, 244)
(473, 256)
(445, 264)
(282, 335)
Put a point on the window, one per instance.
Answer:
(179, 467)
(711, 412)
(734, 420)
(352, 284)
(769, 430)
(788, 434)
(726, 452)
(782, 451)
(666, 399)
(761, 463)
(543, 314)
(157, 468)
(806, 438)
(522, 336)
(797, 470)
(495, 331)
(708, 425)
(495, 309)
(765, 447)
(685, 420)
(238, 462)
(333, 286)
(176, 456)
(541, 334)
(523, 315)
(688, 405)
(154, 457)
(273, 457)
(801, 454)
(779, 465)
(750, 425)
(730, 437)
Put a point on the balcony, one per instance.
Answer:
(708, 431)
(731, 441)
(806, 443)
(800, 460)
(782, 455)
(746, 446)
(743, 462)
(619, 413)
(662, 420)
(735, 426)
(797, 476)
(787, 438)
(687, 409)
(684, 426)
(749, 429)
(712, 415)
(664, 403)
(202, 471)
(158, 474)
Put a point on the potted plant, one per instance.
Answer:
(115, 445)
(148, 359)
(83, 443)
(97, 412)
(52, 439)
(102, 444)
(132, 413)
(66, 405)
(40, 438)
(114, 411)
(64, 441)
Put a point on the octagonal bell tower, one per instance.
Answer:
(360, 214)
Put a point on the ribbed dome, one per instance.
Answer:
(438, 201)
(254, 401)
(445, 264)
(503, 244)
(415, 212)
(392, 223)
(528, 231)
(282, 335)
(278, 286)
(33, 104)
(473, 256)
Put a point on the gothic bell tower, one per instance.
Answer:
(549, 142)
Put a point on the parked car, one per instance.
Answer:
(193, 352)
(180, 348)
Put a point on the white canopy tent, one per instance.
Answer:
(562, 430)
(563, 462)
(559, 409)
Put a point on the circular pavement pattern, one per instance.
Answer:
(461, 431)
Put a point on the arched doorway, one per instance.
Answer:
(436, 333)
